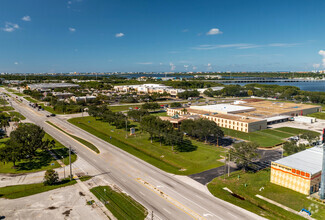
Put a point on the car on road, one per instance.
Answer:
(53, 115)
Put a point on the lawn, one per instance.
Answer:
(30, 99)
(84, 142)
(17, 114)
(123, 107)
(267, 137)
(254, 182)
(159, 114)
(42, 161)
(6, 108)
(11, 90)
(122, 206)
(18, 93)
(18, 191)
(319, 115)
(205, 157)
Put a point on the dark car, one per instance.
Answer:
(53, 114)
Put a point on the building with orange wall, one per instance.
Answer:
(300, 172)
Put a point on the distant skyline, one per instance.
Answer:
(161, 35)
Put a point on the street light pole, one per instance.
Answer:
(70, 162)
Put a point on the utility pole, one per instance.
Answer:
(70, 162)
(126, 127)
(152, 215)
(228, 164)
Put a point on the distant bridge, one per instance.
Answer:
(262, 80)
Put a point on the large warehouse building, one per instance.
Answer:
(248, 115)
(300, 172)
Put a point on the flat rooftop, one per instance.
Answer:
(309, 160)
(224, 108)
(51, 85)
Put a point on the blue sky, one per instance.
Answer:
(161, 35)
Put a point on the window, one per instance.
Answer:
(302, 173)
(307, 175)
(298, 172)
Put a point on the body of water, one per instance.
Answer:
(314, 86)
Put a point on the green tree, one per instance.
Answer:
(243, 154)
(29, 138)
(51, 177)
(136, 115)
(176, 105)
(11, 153)
(150, 106)
(291, 147)
(310, 137)
(148, 124)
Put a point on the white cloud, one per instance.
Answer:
(16, 63)
(316, 65)
(185, 30)
(26, 18)
(71, 29)
(119, 35)
(322, 53)
(214, 31)
(242, 46)
(10, 27)
(145, 63)
(282, 45)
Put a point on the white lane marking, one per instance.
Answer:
(207, 214)
(166, 210)
(235, 216)
(141, 193)
(159, 186)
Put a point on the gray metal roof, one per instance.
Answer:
(309, 160)
(51, 85)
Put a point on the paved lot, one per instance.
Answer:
(63, 203)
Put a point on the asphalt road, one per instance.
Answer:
(160, 192)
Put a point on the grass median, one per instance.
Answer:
(119, 204)
(19, 191)
(84, 142)
(184, 163)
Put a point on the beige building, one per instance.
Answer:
(249, 115)
(300, 172)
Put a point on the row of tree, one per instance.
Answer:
(24, 143)
(202, 129)
(164, 132)
(117, 119)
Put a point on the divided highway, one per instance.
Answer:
(160, 192)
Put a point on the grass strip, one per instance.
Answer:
(18, 115)
(18, 93)
(158, 162)
(30, 99)
(245, 186)
(84, 142)
(19, 191)
(120, 205)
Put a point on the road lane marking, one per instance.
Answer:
(166, 210)
(169, 199)
(235, 216)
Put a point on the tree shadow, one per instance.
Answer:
(42, 159)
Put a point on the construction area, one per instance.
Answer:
(246, 115)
